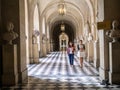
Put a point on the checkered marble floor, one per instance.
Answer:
(55, 73)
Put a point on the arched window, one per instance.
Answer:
(36, 25)
(43, 26)
(36, 18)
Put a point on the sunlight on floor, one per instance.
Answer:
(55, 73)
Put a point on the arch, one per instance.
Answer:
(32, 5)
(26, 31)
(71, 15)
(58, 23)
(73, 21)
(36, 18)
(56, 31)
(93, 17)
(43, 26)
(63, 41)
(36, 25)
(89, 2)
(54, 4)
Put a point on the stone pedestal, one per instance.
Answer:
(44, 49)
(114, 62)
(48, 46)
(90, 52)
(51, 46)
(35, 53)
(104, 57)
(10, 72)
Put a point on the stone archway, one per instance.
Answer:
(32, 5)
(63, 41)
(69, 30)
(36, 35)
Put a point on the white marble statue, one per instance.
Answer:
(35, 35)
(10, 34)
(90, 37)
(115, 32)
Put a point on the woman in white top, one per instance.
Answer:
(81, 53)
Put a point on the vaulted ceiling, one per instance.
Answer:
(76, 10)
(79, 13)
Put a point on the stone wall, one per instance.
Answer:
(0, 46)
(108, 10)
(112, 9)
(14, 12)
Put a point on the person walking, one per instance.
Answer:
(81, 53)
(70, 51)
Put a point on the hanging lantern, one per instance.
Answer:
(61, 8)
(62, 27)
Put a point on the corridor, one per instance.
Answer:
(55, 73)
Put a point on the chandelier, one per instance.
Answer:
(62, 26)
(61, 8)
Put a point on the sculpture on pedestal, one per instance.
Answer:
(115, 32)
(10, 35)
(35, 35)
(90, 37)
(44, 38)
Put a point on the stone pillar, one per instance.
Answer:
(22, 65)
(90, 52)
(104, 60)
(44, 48)
(114, 62)
(30, 50)
(96, 55)
(35, 53)
(10, 72)
(30, 38)
(43, 45)
(41, 49)
(51, 46)
(48, 46)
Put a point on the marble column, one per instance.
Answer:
(51, 46)
(35, 53)
(48, 46)
(96, 55)
(114, 62)
(44, 50)
(90, 52)
(104, 59)
(30, 50)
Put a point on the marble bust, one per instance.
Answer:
(115, 32)
(10, 34)
(90, 37)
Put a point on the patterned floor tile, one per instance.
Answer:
(55, 73)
